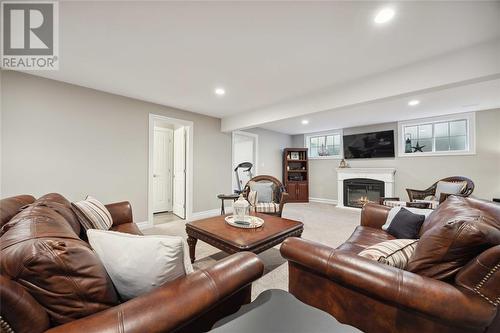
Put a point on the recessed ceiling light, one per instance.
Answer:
(384, 15)
(414, 102)
(305, 122)
(220, 91)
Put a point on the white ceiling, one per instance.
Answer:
(475, 96)
(262, 53)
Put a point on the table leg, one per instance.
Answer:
(222, 210)
(192, 247)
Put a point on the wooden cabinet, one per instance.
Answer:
(291, 189)
(298, 191)
(303, 192)
(296, 174)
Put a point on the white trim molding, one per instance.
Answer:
(469, 117)
(383, 174)
(323, 200)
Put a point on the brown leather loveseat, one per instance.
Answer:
(52, 281)
(378, 298)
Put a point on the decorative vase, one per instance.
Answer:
(241, 208)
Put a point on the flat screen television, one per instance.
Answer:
(369, 145)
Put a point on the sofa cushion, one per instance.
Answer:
(267, 207)
(406, 224)
(458, 206)
(160, 258)
(9, 207)
(443, 250)
(61, 205)
(363, 237)
(395, 253)
(42, 252)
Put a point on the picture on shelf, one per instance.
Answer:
(294, 155)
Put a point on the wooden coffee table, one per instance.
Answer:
(216, 232)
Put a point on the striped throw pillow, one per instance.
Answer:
(396, 252)
(92, 214)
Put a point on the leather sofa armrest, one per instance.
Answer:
(374, 215)
(19, 309)
(424, 295)
(176, 303)
(121, 212)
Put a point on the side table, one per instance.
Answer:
(223, 197)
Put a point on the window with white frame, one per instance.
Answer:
(327, 145)
(447, 135)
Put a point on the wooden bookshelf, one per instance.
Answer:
(296, 174)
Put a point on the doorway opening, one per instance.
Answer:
(170, 170)
(244, 150)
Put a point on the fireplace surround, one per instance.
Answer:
(385, 175)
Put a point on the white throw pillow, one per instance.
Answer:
(138, 264)
(449, 187)
(396, 210)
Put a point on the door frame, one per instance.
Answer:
(256, 163)
(189, 127)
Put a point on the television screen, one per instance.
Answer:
(369, 145)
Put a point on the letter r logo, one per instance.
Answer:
(28, 28)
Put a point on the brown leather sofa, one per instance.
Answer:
(51, 281)
(378, 298)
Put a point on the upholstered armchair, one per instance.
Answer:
(431, 191)
(279, 197)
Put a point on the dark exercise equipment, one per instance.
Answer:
(247, 166)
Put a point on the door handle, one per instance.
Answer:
(155, 175)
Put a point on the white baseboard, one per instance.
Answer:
(349, 208)
(323, 200)
(209, 213)
(194, 216)
(144, 225)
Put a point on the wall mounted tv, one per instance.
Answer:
(369, 145)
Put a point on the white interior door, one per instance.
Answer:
(245, 147)
(162, 169)
(179, 205)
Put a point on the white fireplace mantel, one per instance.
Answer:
(383, 174)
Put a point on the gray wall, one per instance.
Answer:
(271, 145)
(58, 137)
(298, 141)
(420, 172)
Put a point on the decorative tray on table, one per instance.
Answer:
(248, 222)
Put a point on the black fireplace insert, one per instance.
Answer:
(359, 191)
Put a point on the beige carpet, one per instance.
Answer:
(323, 223)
